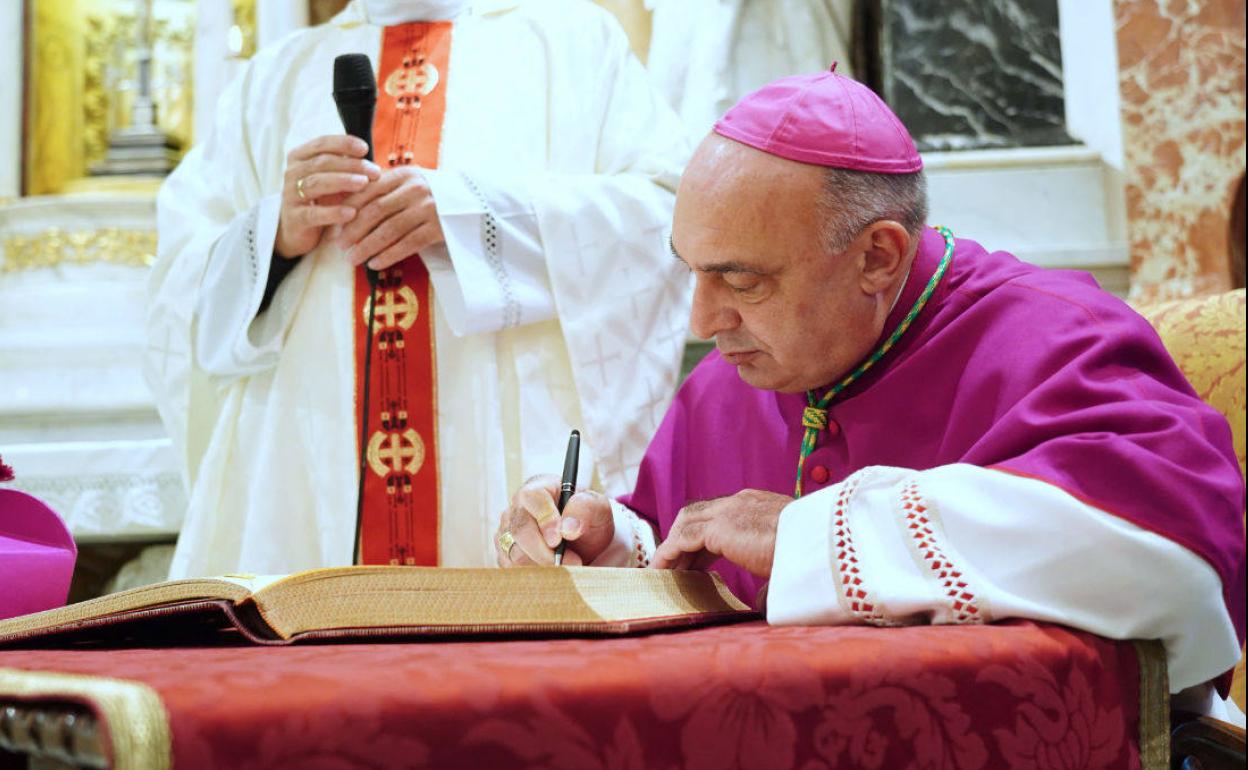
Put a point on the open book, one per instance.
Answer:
(346, 602)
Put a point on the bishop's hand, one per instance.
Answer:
(319, 175)
(530, 528)
(397, 218)
(741, 528)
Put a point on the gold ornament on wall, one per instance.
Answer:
(57, 247)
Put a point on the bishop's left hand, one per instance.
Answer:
(396, 218)
(741, 528)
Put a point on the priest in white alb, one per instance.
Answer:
(516, 211)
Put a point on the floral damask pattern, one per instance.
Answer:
(753, 697)
(1057, 725)
(1206, 337)
(916, 719)
(753, 707)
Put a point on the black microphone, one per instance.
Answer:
(355, 94)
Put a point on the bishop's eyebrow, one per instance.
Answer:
(728, 266)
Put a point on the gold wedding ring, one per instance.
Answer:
(505, 541)
(299, 189)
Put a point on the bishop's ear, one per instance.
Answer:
(885, 255)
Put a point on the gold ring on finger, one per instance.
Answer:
(299, 189)
(505, 541)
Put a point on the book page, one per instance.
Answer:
(480, 599)
(635, 594)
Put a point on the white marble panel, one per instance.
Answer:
(1090, 64)
(1057, 207)
(105, 490)
(77, 421)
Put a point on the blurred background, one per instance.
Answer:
(1103, 135)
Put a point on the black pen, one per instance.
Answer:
(568, 485)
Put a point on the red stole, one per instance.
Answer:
(401, 500)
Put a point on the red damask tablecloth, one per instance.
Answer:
(1015, 695)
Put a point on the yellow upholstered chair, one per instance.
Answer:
(1206, 337)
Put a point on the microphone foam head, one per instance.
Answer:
(354, 72)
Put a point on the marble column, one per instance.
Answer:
(1181, 75)
(215, 65)
(965, 74)
(11, 39)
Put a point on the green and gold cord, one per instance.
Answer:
(815, 415)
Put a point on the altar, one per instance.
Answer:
(1013, 695)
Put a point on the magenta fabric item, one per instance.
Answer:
(1009, 366)
(825, 120)
(37, 555)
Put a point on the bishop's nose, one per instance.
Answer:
(710, 315)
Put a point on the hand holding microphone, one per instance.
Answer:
(320, 175)
(379, 217)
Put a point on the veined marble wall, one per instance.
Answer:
(966, 74)
(1182, 84)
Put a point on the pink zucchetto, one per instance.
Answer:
(825, 120)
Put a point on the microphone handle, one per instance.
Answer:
(357, 121)
(357, 116)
